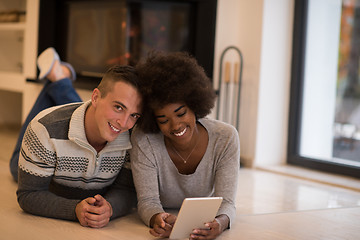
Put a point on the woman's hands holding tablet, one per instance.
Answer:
(162, 224)
(212, 229)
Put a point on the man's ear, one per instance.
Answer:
(95, 96)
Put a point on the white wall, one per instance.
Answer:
(31, 90)
(262, 30)
(239, 24)
(274, 87)
(10, 108)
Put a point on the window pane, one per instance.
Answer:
(330, 128)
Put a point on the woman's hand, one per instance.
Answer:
(162, 224)
(212, 229)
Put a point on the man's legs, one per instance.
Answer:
(57, 90)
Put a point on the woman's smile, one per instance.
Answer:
(181, 133)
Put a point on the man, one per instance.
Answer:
(74, 161)
(57, 90)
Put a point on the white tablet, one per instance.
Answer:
(194, 213)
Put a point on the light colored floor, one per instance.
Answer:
(259, 191)
(269, 206)
(8, 137)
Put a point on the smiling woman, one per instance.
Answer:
(178, 152)
(178, 124)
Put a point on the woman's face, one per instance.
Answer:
(177, 122)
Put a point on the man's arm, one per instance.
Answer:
(34, 197)
(122, 194)
(37, 162)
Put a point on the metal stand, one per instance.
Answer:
(228, 101)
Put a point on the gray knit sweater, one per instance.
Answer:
(58, 167)
(159, 185)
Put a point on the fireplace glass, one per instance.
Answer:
(102, 34)
(95, 34)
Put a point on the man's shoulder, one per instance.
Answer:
(57, 120)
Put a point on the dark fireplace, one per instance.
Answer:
(95, 34)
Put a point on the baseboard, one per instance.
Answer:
(314, 175)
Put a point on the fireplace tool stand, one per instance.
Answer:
(228, 101)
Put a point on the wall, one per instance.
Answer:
(262, 30)
(271, 140)
(239, 24)
(10, 108)
(31, 90)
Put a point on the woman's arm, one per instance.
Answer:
(145, 176)
(227, 174)
(227, 160)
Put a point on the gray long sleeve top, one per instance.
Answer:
(159, 185)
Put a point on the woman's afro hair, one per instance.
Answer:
(174, 77)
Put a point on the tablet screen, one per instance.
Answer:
(194, 213)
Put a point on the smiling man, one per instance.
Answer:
(74, 158)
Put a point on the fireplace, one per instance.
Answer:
(95, 34)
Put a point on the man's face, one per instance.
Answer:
(117, 112)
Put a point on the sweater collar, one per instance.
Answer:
(77, 131)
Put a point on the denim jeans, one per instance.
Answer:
(52, 94)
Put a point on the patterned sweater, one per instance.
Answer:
(58, 167)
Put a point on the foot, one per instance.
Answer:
(58, 72)
(69, 70)
(46, 63)
(46, 60)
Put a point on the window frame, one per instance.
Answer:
(296, 93)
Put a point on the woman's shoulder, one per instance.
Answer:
(218, 127)
(137, 135)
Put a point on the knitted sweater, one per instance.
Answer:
(58, 167)
(159, 185)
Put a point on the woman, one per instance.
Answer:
(177, 152)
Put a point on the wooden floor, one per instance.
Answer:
(269, 206)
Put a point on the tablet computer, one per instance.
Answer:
(194, 213)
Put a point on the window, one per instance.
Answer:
(324, 127)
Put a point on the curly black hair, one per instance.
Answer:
(174, 77)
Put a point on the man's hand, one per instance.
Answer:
(94, 212)
(162, 224)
